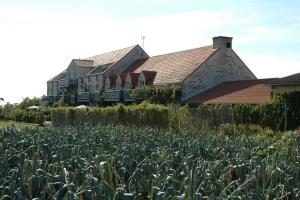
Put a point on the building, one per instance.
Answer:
(286, 84)
(112, 76)
(256, 91)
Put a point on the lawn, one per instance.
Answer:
(18, 125)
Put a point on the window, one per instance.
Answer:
(107, 83)
(97, 78)
(89, 79)
(128, 84)
(141, 81)
(119, 85)
(228, 44)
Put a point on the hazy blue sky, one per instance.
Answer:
(38, 39)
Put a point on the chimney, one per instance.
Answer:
(222, 42)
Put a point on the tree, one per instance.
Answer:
(1, 112)
(27, 102)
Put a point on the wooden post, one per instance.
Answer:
(233, 120)
(285, 117)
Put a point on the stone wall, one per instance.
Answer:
(223, 65)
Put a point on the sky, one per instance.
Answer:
(38, 39)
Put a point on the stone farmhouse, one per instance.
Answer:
(112, 76)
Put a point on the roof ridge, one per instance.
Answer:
(186, 50)
(82, 59)
(88, 58)
(57, 76)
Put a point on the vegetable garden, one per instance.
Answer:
(117, 162)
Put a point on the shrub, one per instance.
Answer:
(21, 115)
(158, 95)
(142, 114)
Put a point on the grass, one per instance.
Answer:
(18, 125)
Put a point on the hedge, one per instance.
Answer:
(158, 95)
(21, 115)
(142, 114)
(268, 115)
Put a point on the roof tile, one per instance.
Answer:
(183, 63)
(234, 92)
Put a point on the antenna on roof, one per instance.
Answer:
(143, 40)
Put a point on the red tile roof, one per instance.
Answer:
(123, 78)
(236, 92)
(149, 76)
(112, 81)
(174, 67)
(135, 65)
(83, 62)
(134, 79)
(110, 57)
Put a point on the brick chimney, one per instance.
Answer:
(222, 42)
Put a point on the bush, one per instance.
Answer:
(268, 115)
(142, 114)
(158, 95)
(21, 115)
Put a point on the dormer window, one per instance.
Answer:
(118, 86)
(107, 84)
(141, 83)
(128, 84)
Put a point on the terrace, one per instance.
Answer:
(127, 96)
(112, 95)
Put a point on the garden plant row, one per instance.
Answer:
(117, 162)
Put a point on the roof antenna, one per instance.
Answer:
(143, 40)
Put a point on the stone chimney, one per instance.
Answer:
(222, 42)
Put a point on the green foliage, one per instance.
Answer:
(15, 113)
(6, 111)
(27, 102)
(145, 114)
(20, 115)
(268, 115)
(118, 162)
(60, 103)
(158, 94)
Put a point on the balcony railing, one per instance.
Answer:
(67, 83)
(52, 99)
(112, 95)
(72, 99)
(95, 96)
(127, 95)
(84, 97)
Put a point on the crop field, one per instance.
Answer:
(141, 163)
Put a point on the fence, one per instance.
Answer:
(276, 118)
